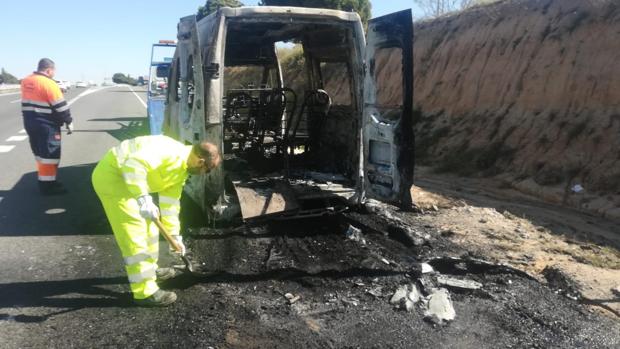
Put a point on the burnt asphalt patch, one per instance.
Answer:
(306, 284)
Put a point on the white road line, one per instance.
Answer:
(138, 97)
(76, 98)
(6, 148)
(9, 94)
(86, 93)
(16, 138)
(22, 131)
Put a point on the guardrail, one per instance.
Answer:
(8, 88)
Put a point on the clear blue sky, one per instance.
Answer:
(90, 40)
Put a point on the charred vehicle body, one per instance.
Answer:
(294, 152)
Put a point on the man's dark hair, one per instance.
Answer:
(45, 63)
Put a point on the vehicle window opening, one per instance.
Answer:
(287, 97)
(387, 67)
(336, 81)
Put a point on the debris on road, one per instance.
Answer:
(414, 294)
(458, 283)
(292, 298)
(439, 309)
(577, 188)
(376, 291)
(355, 234)
(400, 294)
(397, 229)
(406, 296)
(426, 268)
(350, 301)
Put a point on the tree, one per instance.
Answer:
(121, 78)
(213, 5)
(436, 8)
(362, 7)
(7, 78)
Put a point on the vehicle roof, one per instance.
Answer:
(286, 11)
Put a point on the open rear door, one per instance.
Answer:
(388, 105)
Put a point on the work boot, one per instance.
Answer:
(160, 298)
(51, 188)
(164, 274)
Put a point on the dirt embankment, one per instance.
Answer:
(526, 90)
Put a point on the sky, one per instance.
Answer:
(92, 40)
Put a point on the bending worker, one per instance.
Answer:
(45, 110)
(124, 179)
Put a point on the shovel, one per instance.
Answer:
(174, 244)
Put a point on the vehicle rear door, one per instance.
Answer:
(388, 108)
(201, 101)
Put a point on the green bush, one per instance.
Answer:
(6, 78)
(362, 7)
(213, 5)
(121, 78)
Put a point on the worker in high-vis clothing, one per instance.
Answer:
(45, 111)
(124, 180)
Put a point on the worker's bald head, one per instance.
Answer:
(45, 63)
(46, 66)
(208, 154)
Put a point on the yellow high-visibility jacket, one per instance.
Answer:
(155, 164)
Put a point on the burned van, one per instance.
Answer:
(294, 145)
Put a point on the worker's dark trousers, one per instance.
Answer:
(44, 139)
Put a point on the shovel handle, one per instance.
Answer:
(167, 235)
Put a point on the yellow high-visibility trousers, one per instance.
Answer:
(137, 239)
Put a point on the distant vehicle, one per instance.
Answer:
(161, 58)
(91, 83)
(141, 81)
(107, 82)
(81, 84)
(63, 86)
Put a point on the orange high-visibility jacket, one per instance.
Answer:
(42, 99)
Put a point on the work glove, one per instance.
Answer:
(148, 209)
(70, 128)
(179, 240)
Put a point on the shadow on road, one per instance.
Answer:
(129, 127)
(67, 295)
(127, 118)
(71, 295)
(25, 212)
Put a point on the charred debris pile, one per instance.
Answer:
(382, 264)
